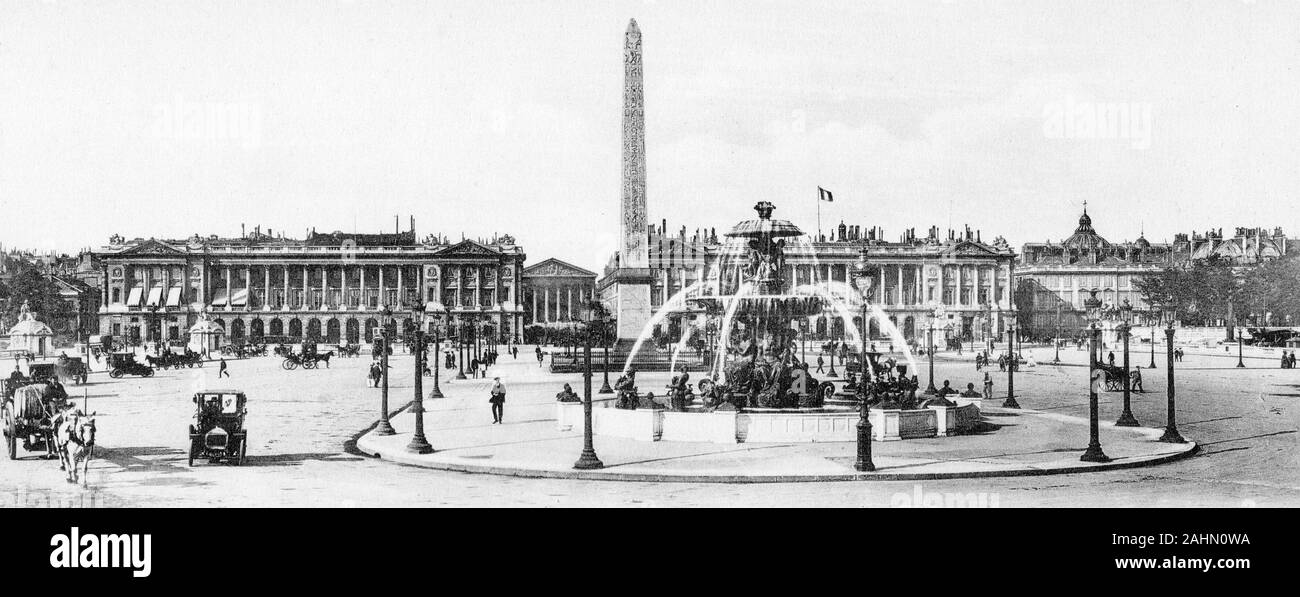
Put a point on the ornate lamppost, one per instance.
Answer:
(1093, 453)
(437, 312)
(1056, 360)
(1240, 363)
(1171, 434)
(460, 347)
(1013, 361)
(588, 459)
(1126, 419)
(929, 350)
(419, 445)
(863, 276)
(604, 343)
(1153, 341)
(831, 323)
(384, 427)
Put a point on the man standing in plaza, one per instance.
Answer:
(988, 386)
(221, 369)
(820, 362)
(538, 350)
(498, 400)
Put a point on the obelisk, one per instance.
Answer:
(633, 275)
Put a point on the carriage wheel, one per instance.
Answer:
(115, 373)
(289, 365)
(309, 364)
(194, 450)
(11, 432)
(147, 373)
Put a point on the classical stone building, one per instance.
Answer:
(326, 287)
(957, 282)
(553, 290)
(1054, 279)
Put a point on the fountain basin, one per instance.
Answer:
(783, 425)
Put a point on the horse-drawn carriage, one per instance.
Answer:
(124, 363)
(349, 350)
(307, 359)
(217, 432)
(1116, 378)
(169, 360)
(28, 414)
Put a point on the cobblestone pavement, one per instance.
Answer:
(301, 421)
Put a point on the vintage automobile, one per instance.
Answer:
(217, 432)
(124, 363)
(71, 369)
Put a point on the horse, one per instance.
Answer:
(74, 440)
(323, 356)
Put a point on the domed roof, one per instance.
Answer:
(28, 325)
(1142, 243)
(1084, 237)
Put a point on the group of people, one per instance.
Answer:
(970, 391)
(1004, 361)
(1288, 361)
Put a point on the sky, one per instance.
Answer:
(166, 119)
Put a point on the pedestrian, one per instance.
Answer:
(514, 351)
(221, 369)
(988, 386)
(498, 400)
(1293, 359)
(820, 363)
(1286, 361)
(473, 368)
(1135, 381)
(1110, 358)
(538, 350)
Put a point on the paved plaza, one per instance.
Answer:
(304, 425)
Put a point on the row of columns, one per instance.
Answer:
(244, 274)
(567, 297)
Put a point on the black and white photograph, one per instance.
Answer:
(652, 254)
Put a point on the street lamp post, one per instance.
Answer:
(460, 348)
(863, 275)
(929, 351)
(832, 372)
(1056, 360)
(1240, 363)
(604, 343)
(419, 445)
(1013, 361)
(439, 311)
(1153, 344)
(588, 459)
(1126, 419)
(384, 427)
(1093, 453)
(1171, 434)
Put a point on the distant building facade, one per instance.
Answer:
(1054, 279)
(554, 290)
(327, 287)
(961, 280)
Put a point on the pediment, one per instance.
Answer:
(469, 248)
(554, 268)
(969, 248)
(152, 247)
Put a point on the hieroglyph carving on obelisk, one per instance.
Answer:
(635, 241)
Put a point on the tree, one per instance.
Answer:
(41, 294)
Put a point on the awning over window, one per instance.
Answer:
(155, 297)
(219, 298)
(133, 299)
(173, 297)
(240, 297)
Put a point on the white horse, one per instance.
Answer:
(74, 439)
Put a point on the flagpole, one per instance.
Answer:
(819, 215)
